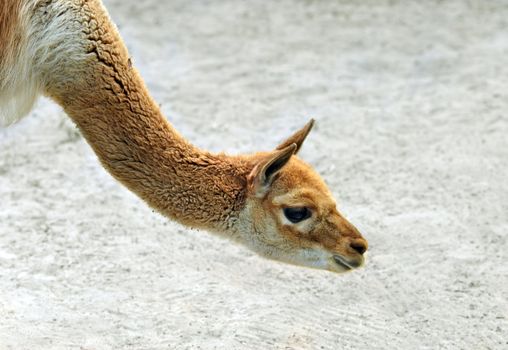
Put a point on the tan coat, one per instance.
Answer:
(272, 202)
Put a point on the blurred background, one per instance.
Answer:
(410, 99)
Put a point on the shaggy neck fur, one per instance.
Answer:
(113, 109)
(139, 148)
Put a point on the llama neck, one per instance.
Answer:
(142, 150)
(113, 109)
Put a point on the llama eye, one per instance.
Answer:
(297, 214)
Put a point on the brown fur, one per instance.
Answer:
(9, 28)
(135, 143)
(243, 196)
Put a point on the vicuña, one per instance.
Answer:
(271, 202)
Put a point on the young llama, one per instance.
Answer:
(271, 202)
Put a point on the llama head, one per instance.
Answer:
(291, 216)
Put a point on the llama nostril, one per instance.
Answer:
(359, 245)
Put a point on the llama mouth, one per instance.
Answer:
(344, 263)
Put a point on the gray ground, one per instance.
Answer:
(411, 102)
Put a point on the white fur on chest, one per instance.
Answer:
(51, 38)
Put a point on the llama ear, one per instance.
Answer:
(298, 137)
(263, 174)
